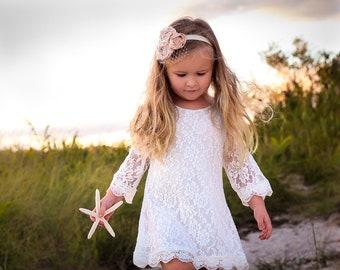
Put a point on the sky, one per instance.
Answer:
(80, 66)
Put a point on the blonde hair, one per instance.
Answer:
(154, 125)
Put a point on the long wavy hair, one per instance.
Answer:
(154, 125)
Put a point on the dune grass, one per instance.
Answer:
(41, 192)
(40, 225)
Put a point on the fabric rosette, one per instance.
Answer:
(169, 41)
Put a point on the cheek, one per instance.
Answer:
(176, 83)
(207, 81)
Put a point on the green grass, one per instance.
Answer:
(39, 218)
(41, 192)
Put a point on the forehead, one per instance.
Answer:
(201, 58)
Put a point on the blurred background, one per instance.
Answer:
(80, 66)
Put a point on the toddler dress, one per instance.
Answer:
(184, 211)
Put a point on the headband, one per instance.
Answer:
(170, 40)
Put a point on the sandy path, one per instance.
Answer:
(292, 245)
(295, 244)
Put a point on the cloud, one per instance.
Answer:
(28, 22)
(25, 22)
(301, 9)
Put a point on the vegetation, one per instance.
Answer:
(302, 139)
(41, 190)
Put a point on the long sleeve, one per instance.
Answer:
(247, 180)
(129, 174)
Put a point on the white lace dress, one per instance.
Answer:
(184, 213)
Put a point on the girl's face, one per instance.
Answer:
(190, 79)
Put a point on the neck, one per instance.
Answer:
(192, 104)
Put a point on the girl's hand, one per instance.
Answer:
(263, 223)
(105, 203)
(261, 216)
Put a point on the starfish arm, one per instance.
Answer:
(97, 201)
(88, 212)
(95, 214)
(113, 208)
(93, 228)
(108, 227)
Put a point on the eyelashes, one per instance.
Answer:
(198, 74)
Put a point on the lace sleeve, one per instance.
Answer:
(129, 174)
(246, 180)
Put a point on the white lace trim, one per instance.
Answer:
(210, 263)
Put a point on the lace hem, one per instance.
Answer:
(210, 263)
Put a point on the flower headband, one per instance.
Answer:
(170, 40)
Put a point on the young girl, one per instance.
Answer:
(191, 125)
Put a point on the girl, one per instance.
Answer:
(191, 125)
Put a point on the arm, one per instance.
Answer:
(252, 187)
(247, 180)
(125, 181)
(262, 218)
(127, 178)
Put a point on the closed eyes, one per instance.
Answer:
(184, 74)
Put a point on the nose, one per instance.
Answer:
(191, 82)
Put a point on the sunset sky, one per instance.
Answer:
(80, 66)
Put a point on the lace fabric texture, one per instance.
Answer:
(184, 213)
(248, 180)
(127, 178)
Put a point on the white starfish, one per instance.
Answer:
(95, 214)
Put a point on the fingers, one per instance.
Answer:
(265, 227)
(102, 210)
(107, 217)
(269, 228)
(263, 222)
(108, 204)
(261, 215)
(104, 207)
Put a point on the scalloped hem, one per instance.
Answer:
(210, 263)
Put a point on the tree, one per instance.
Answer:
(306, 124)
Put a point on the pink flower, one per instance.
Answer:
(169, 40)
